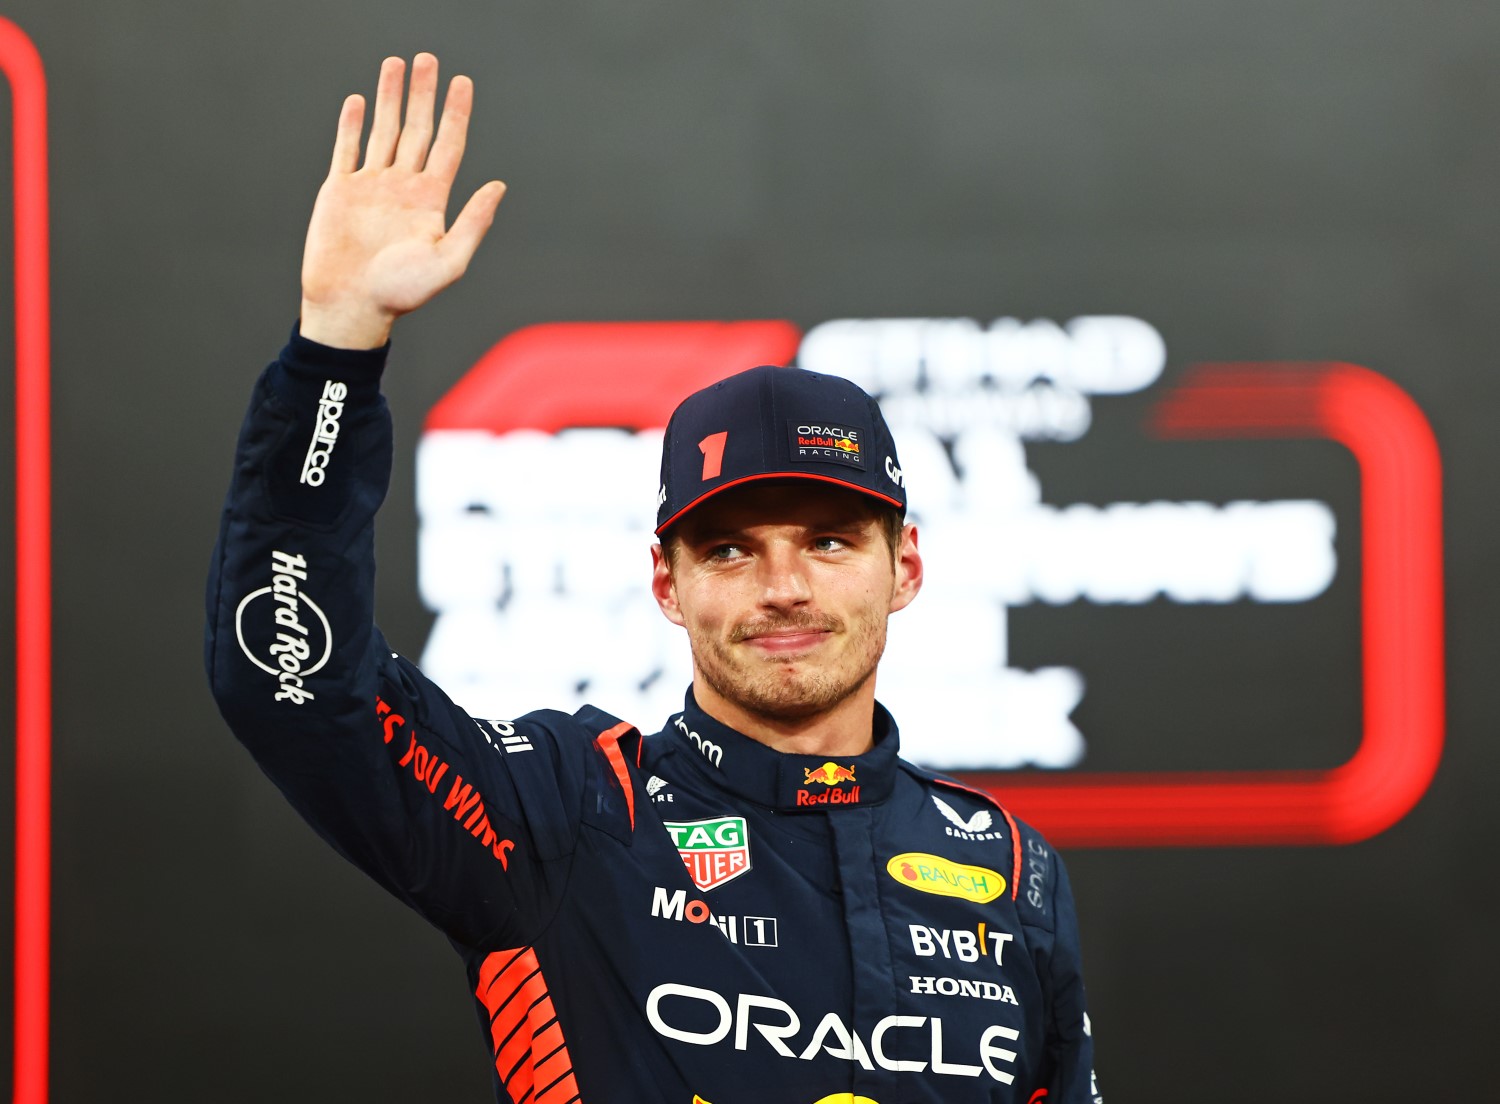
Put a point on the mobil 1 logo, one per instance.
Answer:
(747, 931)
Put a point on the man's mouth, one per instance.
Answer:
(785, 638)
(788, 641)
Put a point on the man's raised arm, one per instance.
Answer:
(381, 763)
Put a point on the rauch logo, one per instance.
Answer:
(934, 874)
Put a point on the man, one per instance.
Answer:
(761, 903)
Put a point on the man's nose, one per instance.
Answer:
(783, 577)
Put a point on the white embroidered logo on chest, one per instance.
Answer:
(979, 822)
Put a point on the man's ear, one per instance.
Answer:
(908, 570)
(663, 587)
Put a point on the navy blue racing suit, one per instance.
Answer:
(686, 916)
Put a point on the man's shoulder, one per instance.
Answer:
(585, 757)
(936, 782)
(543, 740)
(1033, 865)
(587, 723)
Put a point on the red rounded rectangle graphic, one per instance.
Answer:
(22, 66)
(630, 375)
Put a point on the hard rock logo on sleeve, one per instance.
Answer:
(287, 635)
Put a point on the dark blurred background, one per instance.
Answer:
(1277, 181)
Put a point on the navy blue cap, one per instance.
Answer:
(776, 423)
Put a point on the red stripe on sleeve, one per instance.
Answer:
(492, 968)
(609, 743)
(564, 1092)
(531, 1054)
(1015, 850)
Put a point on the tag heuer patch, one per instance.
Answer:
(828, 443)
(714, 851)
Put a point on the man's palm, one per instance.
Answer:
(377, 236)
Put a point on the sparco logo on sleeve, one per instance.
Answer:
(326, 434)
(289, 636)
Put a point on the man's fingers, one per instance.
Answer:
(411, 150)
(468, 230)
(448, 149)
(387, 122)
(346, 142)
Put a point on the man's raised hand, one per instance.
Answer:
(377, 246)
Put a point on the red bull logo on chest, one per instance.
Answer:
(714, 851)
(831, 776)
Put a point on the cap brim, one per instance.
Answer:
(706, 495)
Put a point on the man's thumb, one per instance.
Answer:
(471, 225)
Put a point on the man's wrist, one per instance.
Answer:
(313, 363)
(344, 327)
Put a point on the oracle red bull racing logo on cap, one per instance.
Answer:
(836, 444)
(832, 777)
(934, 874)
(714, 851)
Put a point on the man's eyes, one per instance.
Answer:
(727, 551)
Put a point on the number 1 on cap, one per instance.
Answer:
(712, 448)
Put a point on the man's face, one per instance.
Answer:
(784, 588)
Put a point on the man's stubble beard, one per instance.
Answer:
(766, 689)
